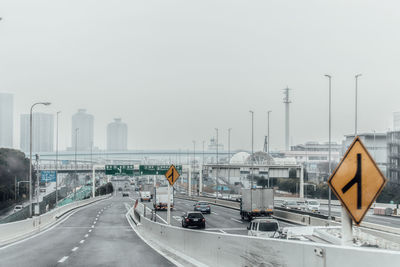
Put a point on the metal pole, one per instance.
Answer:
(356, 107)
(252, 159)
(93, 181)
(190, 182)
(30, 154)
(374, 145)
(301, 189)
(194, 156)
(217, 170)
(329, 150)
(15, 187)
(229, 155)
(169, 206)
(58, 112)
(37, 184)
(269, 111)
(76, 166)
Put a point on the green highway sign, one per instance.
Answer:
(119, 170)
(157, 169)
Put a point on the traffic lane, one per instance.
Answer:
(114, 243)
(52, 244)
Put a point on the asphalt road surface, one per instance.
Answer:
(96, 235)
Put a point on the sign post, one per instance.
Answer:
(172, 175)
(357, 182)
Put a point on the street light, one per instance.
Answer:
(229, 155)
(355, 126)
(216, 191)
(58, 112)
(30, 153)
(76, 166)
(329, 153)
(268, 112)
(252, 156)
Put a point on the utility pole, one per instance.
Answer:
(330, 141)
(356, 105)
(287, 102)
(76, 166)
(252, 159)
(268, 139)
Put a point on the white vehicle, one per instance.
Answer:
(145, 196)
(162, 198)
(261, 227)
(17, 208)
(256, 203)
(312, 205)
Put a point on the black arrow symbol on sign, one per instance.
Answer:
(356, 179)
(171, 175)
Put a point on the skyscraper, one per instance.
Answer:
(6, 119)
(117, 135)
(85, 123)
(42, 132)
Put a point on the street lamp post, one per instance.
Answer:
(217, 171)
(356, 108)
(30, 153)
(76, 166)
(58, 112)
(329, 144)
(229, 155)
(252, 158)
(268, 139)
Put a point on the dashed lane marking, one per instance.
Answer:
(63, 259)
(75, 249)
(222, 231)
(83, 240)
(90, 230)
(86, 235)
(214, 213)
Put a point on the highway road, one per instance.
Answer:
(96, 235)
(221, 219)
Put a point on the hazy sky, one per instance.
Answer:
(175, 70)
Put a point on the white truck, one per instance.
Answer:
(161, 195)
(256, 202)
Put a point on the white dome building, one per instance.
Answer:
(239, 158)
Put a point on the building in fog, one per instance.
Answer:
(117, 136)
(42, 132)
(84, 122)
(376, 144)
(393, 160)
(396, 121)
(6, 119)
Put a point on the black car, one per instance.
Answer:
(193, 219)
(125, 194)
(203, 207)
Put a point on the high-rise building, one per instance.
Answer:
(42, 132)
(117, 135)
(84, 122)
(6, 119)
(396, 121)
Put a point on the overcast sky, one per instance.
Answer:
(175, 70)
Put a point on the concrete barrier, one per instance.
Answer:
(204, 248)
(10, 232)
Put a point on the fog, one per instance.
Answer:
(175, 70)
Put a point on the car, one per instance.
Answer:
(125, 194)
(43, 190)
(195, 218)
(291, 205)
(203, 207)
(120, 189)
(17, 208)
(312, 206)
(262, 227)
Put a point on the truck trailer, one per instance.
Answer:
(256, 202)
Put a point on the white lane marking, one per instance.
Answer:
(92, 226)
(98, 215)
(236, 220)
(178, 218)
(63, 259)
(94, 222)
(214, 213)
(86, 235)
(226, 229)
(222, 231)
(90, 230)
(75, 249)
(96, 219)
(82, 241)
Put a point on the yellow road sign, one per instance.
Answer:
(172, 175)
(357, 181)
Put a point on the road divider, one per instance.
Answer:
(188, 247)
(14, 231)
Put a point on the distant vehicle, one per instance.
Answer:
(119, 188)
(125, 194)
(43, 190)
(136, 188)
(17, 208)
(312, 205)
(203, 207)
(162, 198)
(262, 227)
(145, 196)
(193, 219)
(256, 203)
(291, 205)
